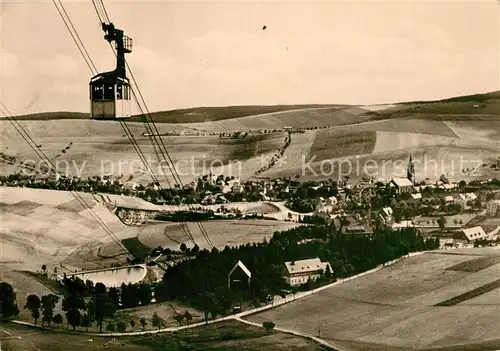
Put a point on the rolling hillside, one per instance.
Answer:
(188, 115)
(99, 148)
(484, 97)
(381, 149)
(392, 308)
(88, 148)
(47, 116)
(206, 114)
(445, 131)
(50, 226)
(488, 103)
(318, 117)
(476, 106)
(47, 225)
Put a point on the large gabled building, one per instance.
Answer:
(402, 185)
(239, 276)
(299, 272)
(475, 233)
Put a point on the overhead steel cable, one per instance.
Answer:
(137, 149)
(163, 149)
(53, 169)
(157, 139)
(97, 11)
(86, 56)
(162, 162)
(75, 36)
(152, 133)
(103, 16)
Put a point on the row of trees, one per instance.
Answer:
(85, 303)
(44, 306)
(80, 310)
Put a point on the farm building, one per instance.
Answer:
(331, 201)
(402, 224)
(357, 229)
(327, 209)
(239, 276)
(448, 243)
(130, 185)
(299, 272)
(208, 200)
(474, 234)
(402, 185)
(448, 186)
(386, 214)
(449, 199)
(237, 188)
(494, 234)
(349, 225)
(493, 207)
(416, 196)
(464, 198)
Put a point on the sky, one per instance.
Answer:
(189, 54)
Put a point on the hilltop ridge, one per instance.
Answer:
(490, 100)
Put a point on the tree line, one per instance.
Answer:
(203, 280)
(85, 305)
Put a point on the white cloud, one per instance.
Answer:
(58, 65)
(9, 64)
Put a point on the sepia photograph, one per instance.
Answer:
(250, 175)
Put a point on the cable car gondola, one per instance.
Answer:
(110, 92)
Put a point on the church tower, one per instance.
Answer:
(410, 170)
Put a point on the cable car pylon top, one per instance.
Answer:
(123, 45)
